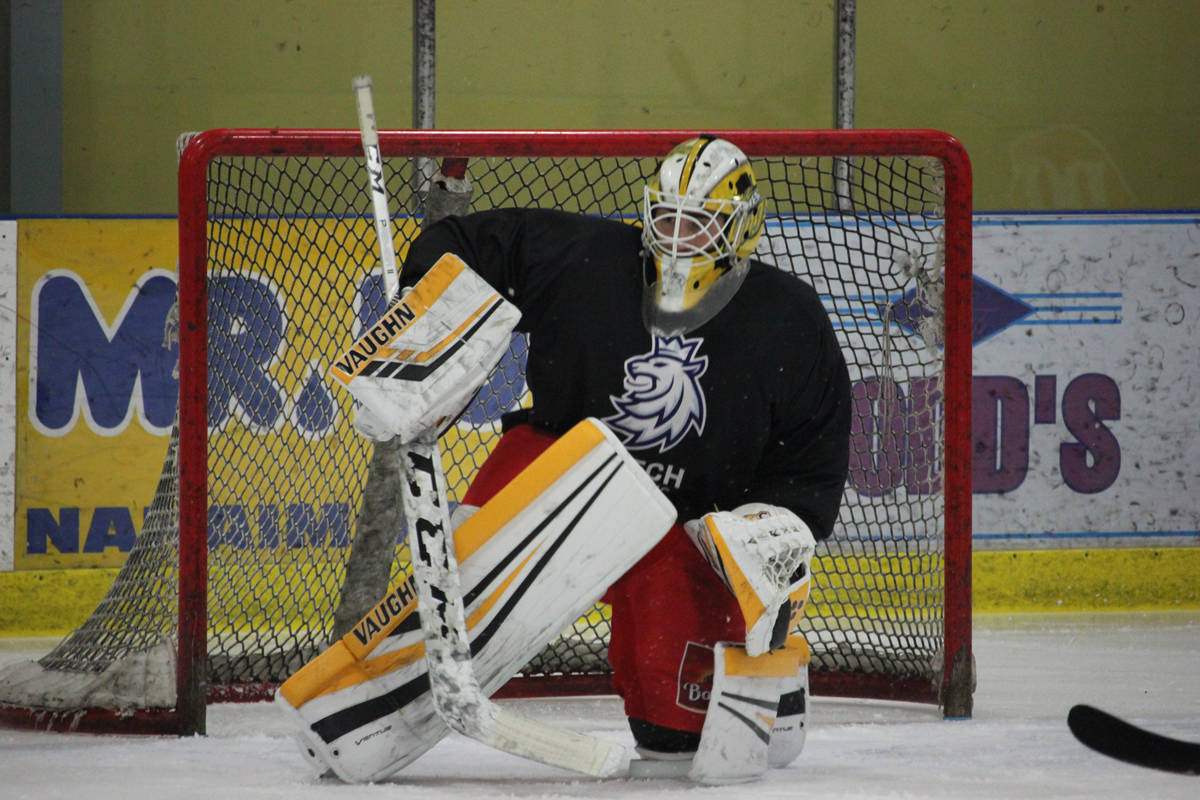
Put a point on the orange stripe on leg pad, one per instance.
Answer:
(524, 489)
(314, 677)
(779, 664)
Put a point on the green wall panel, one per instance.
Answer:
(1061, 104)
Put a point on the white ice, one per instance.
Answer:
(1032, 669)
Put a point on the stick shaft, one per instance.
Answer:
(379, 198)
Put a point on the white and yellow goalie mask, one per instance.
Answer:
(702, 217)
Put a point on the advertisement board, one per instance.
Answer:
(95, 392)
(1085, 375)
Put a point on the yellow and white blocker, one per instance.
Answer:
(416, 369)
(532, 560)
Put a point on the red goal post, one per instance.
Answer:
(275, 231)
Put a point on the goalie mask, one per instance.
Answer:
(702, 217)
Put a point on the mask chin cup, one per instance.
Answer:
(675, 323)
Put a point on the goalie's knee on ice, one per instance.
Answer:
(658, 740)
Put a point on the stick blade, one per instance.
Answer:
(1118, 739)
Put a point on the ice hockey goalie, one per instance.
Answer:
(722, 378)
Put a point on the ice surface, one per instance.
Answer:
(1032, 669)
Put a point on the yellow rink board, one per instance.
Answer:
(54, 602)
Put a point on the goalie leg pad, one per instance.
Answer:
(788, 735)
(741, 713)
(533, 559)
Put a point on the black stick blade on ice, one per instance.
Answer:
(1118, 739)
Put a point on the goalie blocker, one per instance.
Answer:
(416, 369)
(533, 559)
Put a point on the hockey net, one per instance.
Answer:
(241, 565)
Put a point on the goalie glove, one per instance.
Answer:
(762, 553)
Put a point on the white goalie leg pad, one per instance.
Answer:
(763, 554)
(532, 560)
(791, 720)
(453, 679)
(416, 369)
(736, 735)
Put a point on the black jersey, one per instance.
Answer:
(754, 405)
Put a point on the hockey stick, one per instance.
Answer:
(379, 198)
(1116, 738)
(457, 696)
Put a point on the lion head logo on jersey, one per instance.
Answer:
(663, 399)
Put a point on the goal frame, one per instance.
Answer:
(958, 673)
(953, 692)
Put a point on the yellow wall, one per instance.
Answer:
(80, 469)
(1068, 104)
(52, 602)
